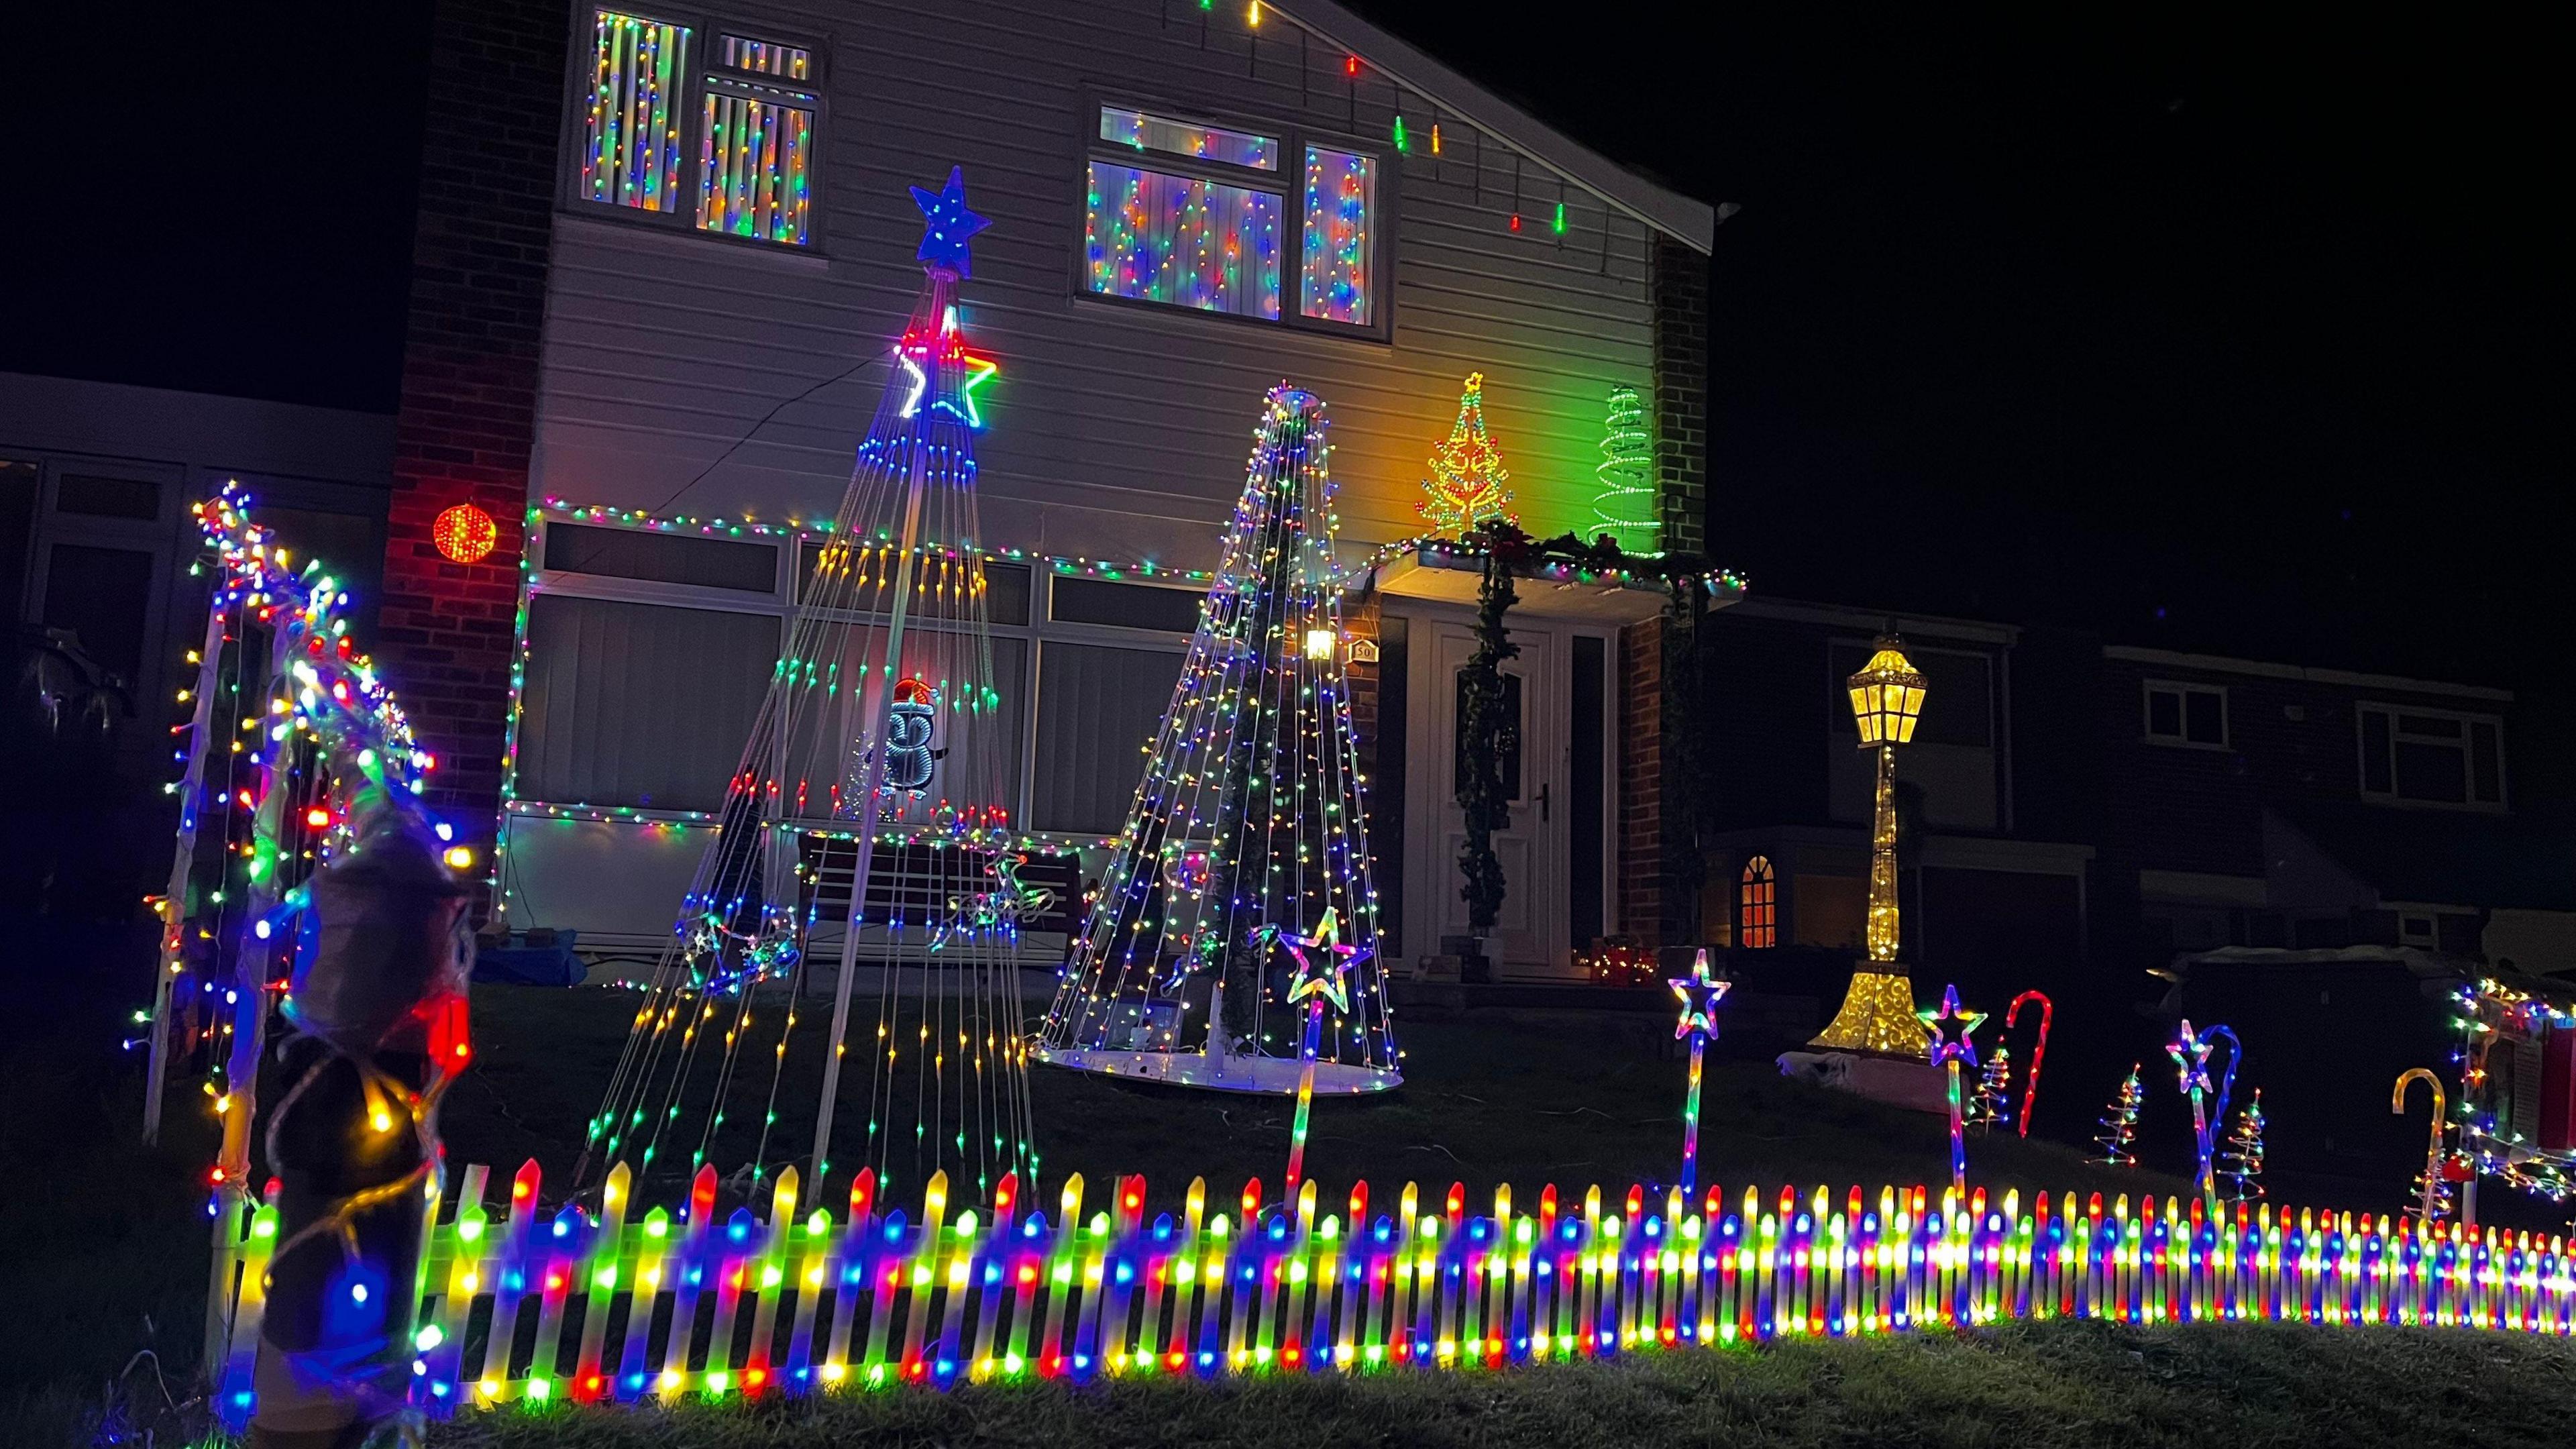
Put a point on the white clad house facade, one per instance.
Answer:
(661, 352)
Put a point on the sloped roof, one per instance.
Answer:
(1683, 218)
(2525, 859)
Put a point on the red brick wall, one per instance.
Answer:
(1657, 896)
(1640, 878)
(469, 384)
(1681, 393)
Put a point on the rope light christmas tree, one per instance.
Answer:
(1624, 509)
(1247, 835)
(1466, 486)
(881, 754)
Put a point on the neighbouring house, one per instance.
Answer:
(663, 250)
(96, 537)
(96, 548)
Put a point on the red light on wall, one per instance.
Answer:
(465, 534)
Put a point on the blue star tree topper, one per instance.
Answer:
(947, 226)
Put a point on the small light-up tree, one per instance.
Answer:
(2118, 1135)
(1624, 509)
(2240, 1162)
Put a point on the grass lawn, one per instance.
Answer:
(1572, 1098)
(103, 1248)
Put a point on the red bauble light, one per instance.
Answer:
(465, 534)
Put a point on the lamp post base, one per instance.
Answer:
(1877, 1019)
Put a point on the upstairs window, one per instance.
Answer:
(717, 134)
(2186, 714)
(1274, 227)
(2431, 757)
(1757, 905)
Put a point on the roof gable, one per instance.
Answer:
(1685, 219)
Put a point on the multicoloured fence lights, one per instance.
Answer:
(874, 1296)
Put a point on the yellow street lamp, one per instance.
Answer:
(1877, 1014)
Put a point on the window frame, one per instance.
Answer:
(2392, 796)
(704, 28)
(2183, 689)
(1288, 183)
(1745, 881)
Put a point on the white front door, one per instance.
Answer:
(1529, 933)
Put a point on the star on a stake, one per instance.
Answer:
(1322, 979)
(1699, 997)
(1958, 1048)
(2190, 1052)
(947, 224)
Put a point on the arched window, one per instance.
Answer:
(1757, 905)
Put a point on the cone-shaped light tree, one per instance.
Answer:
(1248, 832)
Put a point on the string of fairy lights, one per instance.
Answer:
(2493, 1014)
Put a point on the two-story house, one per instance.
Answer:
(2271, 805)
(663, 250)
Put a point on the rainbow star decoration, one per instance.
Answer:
(1951, 1051)
(1958, 1047)
(1321, 977)
(1699, 994)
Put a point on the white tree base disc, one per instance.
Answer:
(1273, 1075)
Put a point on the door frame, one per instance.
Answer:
(1430, 880)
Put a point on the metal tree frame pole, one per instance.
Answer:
(183, 856)
(250, 990)
(872, 704)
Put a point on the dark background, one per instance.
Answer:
(2216, 331)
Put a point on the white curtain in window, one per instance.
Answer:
(1098, 708)
(638, 704)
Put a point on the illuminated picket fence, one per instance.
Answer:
(626, 1308)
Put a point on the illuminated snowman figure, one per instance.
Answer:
(909, 757)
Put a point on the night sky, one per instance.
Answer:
(2195, 332)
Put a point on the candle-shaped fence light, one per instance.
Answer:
(1952, 1050)
(1699, 997)
(1318, 981)
(2190, 1052)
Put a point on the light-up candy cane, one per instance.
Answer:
(2038, 1052)
(1315, 984)
(1699, 997)
(1953, 1051)
(2190, 1052)
(2432, 1153)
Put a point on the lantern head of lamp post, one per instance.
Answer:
(1886, 696)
